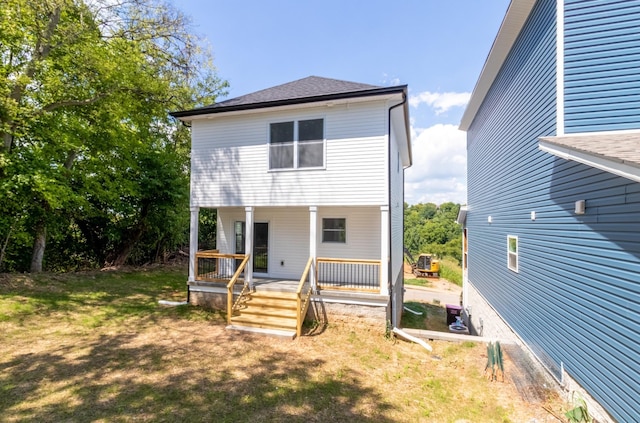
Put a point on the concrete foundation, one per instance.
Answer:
(483, 320)
(209, 300)
(352, 314)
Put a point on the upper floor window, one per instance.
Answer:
(296, 144)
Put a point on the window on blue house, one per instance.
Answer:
(334, 230)
(512, 252)
(296, 144)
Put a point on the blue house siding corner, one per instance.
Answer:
(575, 300)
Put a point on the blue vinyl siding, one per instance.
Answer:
(602, 65)
(576, 297)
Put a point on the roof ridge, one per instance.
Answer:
(304, 90)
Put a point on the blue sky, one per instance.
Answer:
(437, 47)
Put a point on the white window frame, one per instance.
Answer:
(296, 143)
(512, 254)
(334, 230)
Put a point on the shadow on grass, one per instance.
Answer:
(118, 294)
(156, 363)
(117, 379)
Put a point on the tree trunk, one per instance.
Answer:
(38, 247)
(123, 252)
(4, 246)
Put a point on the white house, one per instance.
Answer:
(307, 179)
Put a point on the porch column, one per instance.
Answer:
(193, 242)
(384, 250)
(313, 242)
(248, 245)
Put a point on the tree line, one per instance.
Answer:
(432, 229)
(93, 170)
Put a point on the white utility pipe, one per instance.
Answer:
(417, 313)
(408, 337)
(172, 303)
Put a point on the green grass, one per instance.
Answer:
(451, 270)
(98, 347)
(419, 282)
(434, 317)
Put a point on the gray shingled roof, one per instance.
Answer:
(622, 148)
(312, 88)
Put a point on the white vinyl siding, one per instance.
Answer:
(289, 235)
(230, 166)
(396, 214)
(362, 237)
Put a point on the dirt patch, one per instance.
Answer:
(103, 350)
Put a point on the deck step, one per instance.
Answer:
(263, 321)
(292, 296)
(272, 303)
(267, 310)
(259, 312)
(278, 333)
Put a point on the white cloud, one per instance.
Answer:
(389, 81)
(439, 170)
(440, 101)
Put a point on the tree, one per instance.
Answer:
(85, 90)
(432, 229)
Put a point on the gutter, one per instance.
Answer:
(221, 108)
(389, 270)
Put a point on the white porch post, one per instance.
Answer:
(193, 242)
(248, 245)
(313, 242)
(384, 250)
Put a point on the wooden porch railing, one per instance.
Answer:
(348, 274)
(212, 266)
(303, 294)
(231, 305)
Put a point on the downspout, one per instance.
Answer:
(397, 331)
(389, 270)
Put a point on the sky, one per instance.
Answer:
(436, 47)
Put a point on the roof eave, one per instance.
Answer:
(292, 101)
(461, 219)
(617, 167)
(512, 24)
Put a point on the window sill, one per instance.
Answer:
(296, 169)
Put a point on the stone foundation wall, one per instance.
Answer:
(483, 320)
(353, 314)
(208, 300)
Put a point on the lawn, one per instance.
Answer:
(97, 347)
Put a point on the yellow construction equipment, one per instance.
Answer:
(426, 266)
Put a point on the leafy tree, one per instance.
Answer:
(89, 157)
(432, 229)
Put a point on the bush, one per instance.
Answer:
(451, 270)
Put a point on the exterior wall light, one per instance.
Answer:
(489, 219)
(580, 207)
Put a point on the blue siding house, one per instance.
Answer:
(552, 224)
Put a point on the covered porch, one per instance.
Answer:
(277, 240)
